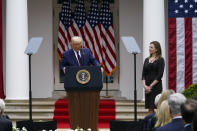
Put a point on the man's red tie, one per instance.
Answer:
(79, 58)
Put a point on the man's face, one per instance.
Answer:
(76, 46)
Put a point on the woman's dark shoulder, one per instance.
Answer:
(146, 60)
(161, 59)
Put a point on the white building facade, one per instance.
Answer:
(145, 20)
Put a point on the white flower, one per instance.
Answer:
(81, 129)
(24, 129)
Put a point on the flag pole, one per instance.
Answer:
(106, 92)
(30, 92)
(32, 48)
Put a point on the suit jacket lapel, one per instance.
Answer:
(74, 58)
(82, 51)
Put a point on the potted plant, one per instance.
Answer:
(191, 91)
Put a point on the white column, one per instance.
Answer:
(17, 70)
(154, 28)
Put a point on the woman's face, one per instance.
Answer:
(152, 49)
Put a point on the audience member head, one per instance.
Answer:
(163, 114)
(188, 109)
(2, 106)
(175, 101)
(76, 43)
(164, 96)
(157, 99)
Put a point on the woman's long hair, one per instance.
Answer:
(164, 96)
(163, 114)
(158, 48)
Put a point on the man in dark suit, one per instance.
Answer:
(175, 101)
(187, 111)
(5, 122)
(77, 56)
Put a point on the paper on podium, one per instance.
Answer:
(131, 44)
(33, 45)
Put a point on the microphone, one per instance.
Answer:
(82, 54)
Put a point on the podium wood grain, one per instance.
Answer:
(83, 109)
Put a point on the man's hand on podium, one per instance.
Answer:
(102, 70)
(64, 70)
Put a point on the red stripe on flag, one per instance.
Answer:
(188, 52)
(89, 35)
(61, 44)
(111, 36)
(83, 35)
(109, 47)
(87, 45)
(59, 54)
(109, 61)
(65, 38)
(62, 32)
(74, 30)
(107, 44)
(90, 38)
(68, 36)
(172, 53)
(92, 42)
(98, 42)
(2, 95)
(106, 69)
(105, 47)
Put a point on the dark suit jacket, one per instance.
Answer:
(174, 125)
(147, 126)
(87, 59)
(5, 124)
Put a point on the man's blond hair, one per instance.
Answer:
(76, 39)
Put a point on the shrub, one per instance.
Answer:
(191, 91)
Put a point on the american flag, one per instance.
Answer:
(92, 31)
(65, 28)
(182, 39)
(79, 19)
(96, 30)
(108, 40)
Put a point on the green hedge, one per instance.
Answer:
(190, 91)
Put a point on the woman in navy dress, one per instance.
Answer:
(152, 73)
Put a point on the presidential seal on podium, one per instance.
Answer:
(83, 76)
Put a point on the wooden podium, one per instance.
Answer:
(83, 85)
